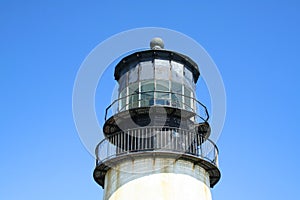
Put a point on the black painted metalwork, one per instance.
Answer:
(156, 114)
(157, 142)
(148, 55)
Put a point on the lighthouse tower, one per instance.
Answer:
(157, 144)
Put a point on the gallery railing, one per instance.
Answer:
(157, 139)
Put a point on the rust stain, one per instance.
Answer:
(118, 177)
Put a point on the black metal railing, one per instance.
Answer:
(156, 139)
(175, 100)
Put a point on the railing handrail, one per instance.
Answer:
(158, 91)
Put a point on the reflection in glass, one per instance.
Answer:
(133, 74)
(146, 70)
(189, 78)
(147, 94)
(133, 95)
(187, 98)
(176, 89)
(123, 82)
(122, 102)
(177, 71)
(162, 93)
(162, 69)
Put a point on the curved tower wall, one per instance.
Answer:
(157, 178)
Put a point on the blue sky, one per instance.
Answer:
(255, 45)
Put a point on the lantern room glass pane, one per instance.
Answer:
(162, 94)
(162, 85)
(147, 99)
(176, 96)
(133, 74)
(176, 88)
(146, 70)
(122, 102)
(147, 93)
(133, 95)
(147, 86)
(162, 69)
(187, 98)
(177, 71)
(123, 82)
(189, 78)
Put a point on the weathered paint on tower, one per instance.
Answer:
(160, 179)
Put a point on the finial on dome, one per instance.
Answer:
(157, 43)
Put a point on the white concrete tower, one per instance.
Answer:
(156, 142)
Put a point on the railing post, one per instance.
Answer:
(216, 157)
(201, 143)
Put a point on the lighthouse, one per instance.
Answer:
(157, 134)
